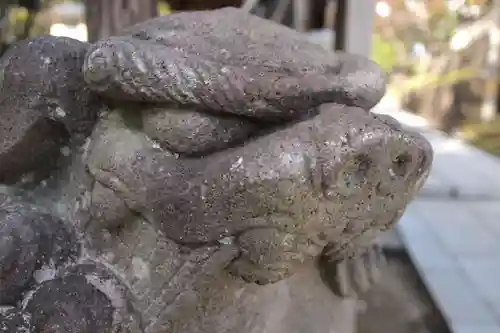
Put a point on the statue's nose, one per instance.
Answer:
(381, 161)
(374, 167)
(375, 155)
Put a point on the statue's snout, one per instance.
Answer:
(369, 170)
(370, 155)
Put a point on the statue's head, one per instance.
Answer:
(225, 151)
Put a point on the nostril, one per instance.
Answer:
(356, 171)
(401, 165)
(384, 189)
(352, 176)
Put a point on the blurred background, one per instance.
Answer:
(442, 58)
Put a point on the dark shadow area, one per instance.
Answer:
(399, 303)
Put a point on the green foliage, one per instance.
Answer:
(426, 80)
(443, 27)
(485, 136)
(384, 53)
(163, 8)
(16, 20)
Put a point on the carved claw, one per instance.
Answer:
(352, 276)
(268, 255)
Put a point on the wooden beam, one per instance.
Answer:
(354, 26)
(340, 25)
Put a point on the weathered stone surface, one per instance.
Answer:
(335, 177)
(232, 62)
(13, 320)
(43, 101)
(352, 276)
(192, 132)
(215, 205)
(302, 303)
(70, 304)
(108, 210)
(32, 246)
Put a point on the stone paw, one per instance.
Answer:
(268, 255)
(354, 275)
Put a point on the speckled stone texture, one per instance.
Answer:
(44, 102)
(201, 172)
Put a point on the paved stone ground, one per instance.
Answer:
(452, 230)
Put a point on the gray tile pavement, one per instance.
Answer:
(452, 232)
(456, 294)
(476, 329)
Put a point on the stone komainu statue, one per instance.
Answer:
(202, 172)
